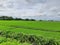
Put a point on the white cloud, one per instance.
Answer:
(18, 8)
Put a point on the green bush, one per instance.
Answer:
(52, 42)
(22, 38)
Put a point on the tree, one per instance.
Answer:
(18, 19)
(6, 18)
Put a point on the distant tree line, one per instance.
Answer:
(6, 18)
(11, 18)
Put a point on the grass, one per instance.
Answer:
(47, 29)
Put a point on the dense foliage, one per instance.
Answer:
(11, 18)
(22, 38)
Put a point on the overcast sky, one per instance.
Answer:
(38, 9)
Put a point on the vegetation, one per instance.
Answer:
(11, 18)
(22, 38)
(28, 32)
(6, 18)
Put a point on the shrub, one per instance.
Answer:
(52, 42)
(34, 40)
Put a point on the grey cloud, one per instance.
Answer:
(18, 8)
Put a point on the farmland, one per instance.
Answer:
(46, 29)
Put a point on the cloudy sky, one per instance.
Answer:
(37, 9)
